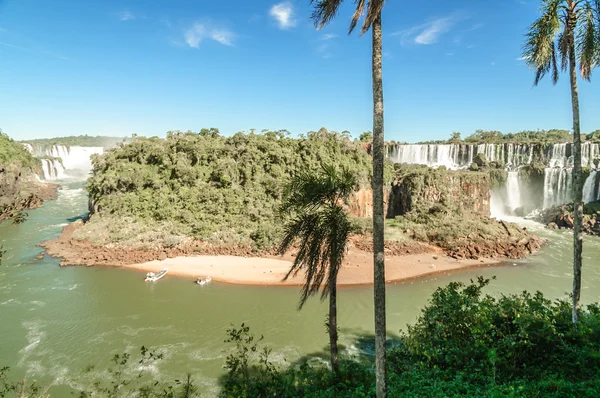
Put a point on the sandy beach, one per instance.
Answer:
(356, 270)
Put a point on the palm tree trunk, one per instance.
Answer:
(577, 182)
(333, 335)
(378, 215)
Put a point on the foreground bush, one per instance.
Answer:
(464, 343)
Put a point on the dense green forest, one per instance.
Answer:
(80, 140)
(214, 188)
(13, 153)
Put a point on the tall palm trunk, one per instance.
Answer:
(333, 334)
(577, 179)
(378, 215)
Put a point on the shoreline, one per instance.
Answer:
(270, 271)
(241, 266)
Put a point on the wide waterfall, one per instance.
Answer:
(61, 161)
(556, 160)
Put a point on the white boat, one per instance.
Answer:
(152, 277)
(203, 281)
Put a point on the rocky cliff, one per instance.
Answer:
(20, 190)
(423, 188)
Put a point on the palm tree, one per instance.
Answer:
(324, 11)
(567, 30)
(321, 227)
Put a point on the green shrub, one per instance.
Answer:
(15, 154)
(464, 343)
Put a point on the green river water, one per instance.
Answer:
(55, 321)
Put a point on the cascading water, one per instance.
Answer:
(591, 188)
(557, 158)
(53, 169)
(513, 190)
(61, 161)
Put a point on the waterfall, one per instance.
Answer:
(591, 193)
(61, 161)
(557, 186)
(558, 159)
(513, 190)
(53, 169)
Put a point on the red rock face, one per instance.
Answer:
(467, 192)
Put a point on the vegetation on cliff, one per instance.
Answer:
(205, 186)
(14, 154)
(19, 189)
(79, 140)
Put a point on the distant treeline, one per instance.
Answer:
(13, 153)
(79, 140)
(522, 137)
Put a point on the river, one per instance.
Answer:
(55, 320)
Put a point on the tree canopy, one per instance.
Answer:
(208, 184)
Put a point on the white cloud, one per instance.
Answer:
(283, 14)
(126, 16)
(328, 36)
(200, 31)
(222, 36)
(428, 32)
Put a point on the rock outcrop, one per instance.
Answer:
(422, 189)
(20, 190)
(561, 217)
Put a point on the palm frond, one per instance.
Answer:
(373, 11)
(539, 50)
(588, 46)
(323, 239)
(318, 224)
(308, 189)
(324, 11)
(563, 49)
(358, 13)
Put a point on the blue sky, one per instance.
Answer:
(117, 67)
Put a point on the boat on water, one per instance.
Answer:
(153, 277)
(203, 281)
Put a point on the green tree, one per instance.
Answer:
(567, 31)
(455, 138)
(367, 136)
(321, 227)
(324, 11)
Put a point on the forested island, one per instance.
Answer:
(202, 193)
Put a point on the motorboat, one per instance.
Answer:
(203, 281)
(153, 277)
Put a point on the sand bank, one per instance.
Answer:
(356, 270)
